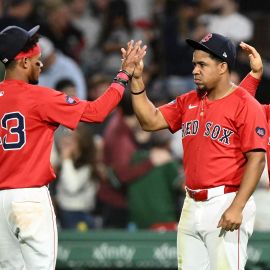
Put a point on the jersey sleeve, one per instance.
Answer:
(98, 110)
(252, 126)
(266, 109)
(172, 113)
(250, 84)
(57, 108)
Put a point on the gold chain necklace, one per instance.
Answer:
(204, 96)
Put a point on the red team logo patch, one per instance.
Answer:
(207, 37)
(260, 131)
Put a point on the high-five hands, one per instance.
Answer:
(255, 60)
(136, 53)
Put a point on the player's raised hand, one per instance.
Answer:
(125, 52)
(255, 60)
(138, 70)
(132, 58)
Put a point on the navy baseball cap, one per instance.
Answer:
(217, 45)
(13, 40)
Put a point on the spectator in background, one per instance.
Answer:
(68, 87)
(16, 12)
(57, 66)
(77, 180)
(115, 33)
(179, 22)
(119, 147)
(152, 197)
(140, 16)
(140, 11)
(83, 18)
(97, 84)
(58, 27)
(224, 18)
(98, 8)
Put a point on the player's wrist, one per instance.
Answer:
(123, 77)
(137, 86)
(125, 74)
(257, 74)
(137, 92)
(238, 205)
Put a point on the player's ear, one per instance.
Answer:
(24, 62)
(223, 67)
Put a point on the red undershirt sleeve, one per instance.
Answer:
(250, 84)
(266, 111)
(99, 109)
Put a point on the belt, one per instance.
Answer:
(206, 194)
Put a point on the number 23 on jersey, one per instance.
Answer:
(13, 136)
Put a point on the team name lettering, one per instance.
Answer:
(190, 128)
(226, 135)
(214, 131)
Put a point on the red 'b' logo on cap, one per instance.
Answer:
(207, 37)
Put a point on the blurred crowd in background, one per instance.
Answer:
(114, 175)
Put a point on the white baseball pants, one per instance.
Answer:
(28, 233)
(200, 244)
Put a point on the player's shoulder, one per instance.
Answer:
(35, 87)
(39, 90)
(19, 86)
(188, 97)
(243, 101)
(244, 97)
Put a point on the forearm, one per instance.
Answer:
(148, 115)
(252, 174)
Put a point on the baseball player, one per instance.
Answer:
(224, 136)
(255, 59)
(29, 115)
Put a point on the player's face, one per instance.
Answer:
(206, 71)
(35, 69)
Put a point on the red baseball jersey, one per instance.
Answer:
(251, 85)
(216, 134)
(267, 114)
(29, 115)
